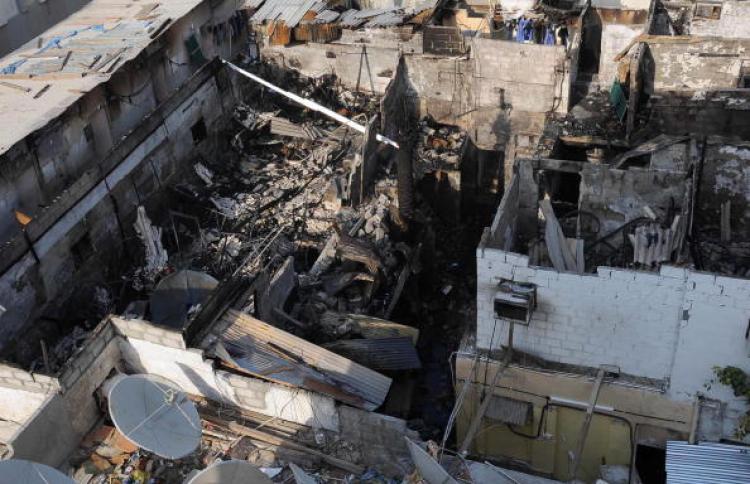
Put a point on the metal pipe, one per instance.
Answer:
(309, 104)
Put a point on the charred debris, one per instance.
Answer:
(297, 221)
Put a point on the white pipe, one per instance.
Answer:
(310, 104)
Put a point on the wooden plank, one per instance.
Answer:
(587, 422)
(559, 251)
(41, 91)
(65, 60)
(477, 420)
(369, 385)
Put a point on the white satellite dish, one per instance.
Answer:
(230, 472)
(155, 415)
(15, 471)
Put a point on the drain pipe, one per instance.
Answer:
(309, 104)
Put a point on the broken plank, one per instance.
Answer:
(41, 91)
(66, 59)
(332, 374)
(559, 252)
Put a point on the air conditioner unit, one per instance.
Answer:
(515, 301)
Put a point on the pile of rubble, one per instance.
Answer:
(106, 456)
(438, 148)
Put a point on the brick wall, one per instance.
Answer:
(674, 325)
(13, 377)
(195, 374)
(615, 37)
(530, 75)
(711, 64)
(732, 22)
(147, 331)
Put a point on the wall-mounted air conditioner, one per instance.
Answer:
(515, 301)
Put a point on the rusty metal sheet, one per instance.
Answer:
(274, 354)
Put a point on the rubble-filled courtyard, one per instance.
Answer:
(374, 242)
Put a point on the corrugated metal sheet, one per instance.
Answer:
(271, 353)
(288, 11)
(387, 19)
(509, 410)
(350, 19)
(707, 462)
(326, 17)
(379, 354)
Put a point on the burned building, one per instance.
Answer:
(370, 241)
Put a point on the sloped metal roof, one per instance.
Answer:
(350, 19)
(707, 462)
(388, 19)
(271, 353)
(288, 11)
(385, 354)
(326, 17)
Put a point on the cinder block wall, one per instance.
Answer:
(674, 325)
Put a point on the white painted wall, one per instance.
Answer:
(614, 38)
(193, 374)
(675, 325)
(16, 407)
(733, 22)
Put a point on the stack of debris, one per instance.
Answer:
(439, 148)
(106, 456)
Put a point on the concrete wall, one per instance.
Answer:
(527, 74)
(56, 428)
(22, 20)
(673, 326)
(703, 112)
(731, 24)
(51, 423)
(617, 196)
(103, 199)
(625, 414)
(160, 351)
(487, 94)
(41, 167)
(614, 38)
(726, 177)
(707, 64)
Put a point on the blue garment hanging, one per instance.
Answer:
(549, 36)
(520, 28)
(528, 30)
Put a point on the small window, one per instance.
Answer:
(199, 131)
(708, 11)
(82, 251)
(88, 133)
